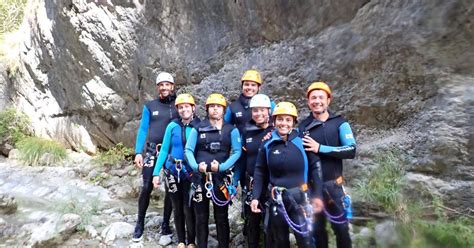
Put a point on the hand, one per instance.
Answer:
(202, 167)
(310, 144)
(254, 206)
(214, 166)
(156, 181)
(317, 205)
(138, 161)
(267, 136)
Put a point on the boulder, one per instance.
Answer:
(52, 231)
(386, 234)
(8, 204)
(117, 230)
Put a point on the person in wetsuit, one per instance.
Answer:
(155, 117)
(238, 113)
(330, 136)
(252, 136)
(211, 150)
(177, 172)
(294, 185)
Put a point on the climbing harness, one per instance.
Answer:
(178, 163)
(230, 192)
(346, 215)
(152, 150)
(248, 190)
(277, 196)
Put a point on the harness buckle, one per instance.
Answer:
(178, 163)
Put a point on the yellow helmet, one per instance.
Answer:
(184, 98)
(252, 75)
(285, 108)
(319, 86)
(216, 99)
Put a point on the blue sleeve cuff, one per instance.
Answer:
(236, 150)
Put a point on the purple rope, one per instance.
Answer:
(292, 224)
(219, 202)
(333, 218)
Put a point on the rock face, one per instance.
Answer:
(401, 70)
(8, 204)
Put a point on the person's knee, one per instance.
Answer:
(200, 218)
(221, 217)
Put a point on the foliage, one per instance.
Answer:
(13, 126)
(455, 233)
(84, 209)
(33, 148)
(11, 15)
(383, 184)
(419, 224)
(114, 155)
(99, 179)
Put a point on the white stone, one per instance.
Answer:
(386, 234)
(165, 240)
(117, 230)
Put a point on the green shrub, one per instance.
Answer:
(85, 209)
(33, 148)
(11, 15)
(99, 179)
(455, 233)
(114, 155)
(383, 184)
(13, 126)
(420, 223)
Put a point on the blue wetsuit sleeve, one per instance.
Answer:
(142, 131)
(260, 174)
(272, 106)
(348, 148)
(228, 115)
(236, 150)
(189, 150)
(241, 166)
(165, 149)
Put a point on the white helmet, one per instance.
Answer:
(260, 100)
(164, 77)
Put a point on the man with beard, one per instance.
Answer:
(329, 136)
(155, 117)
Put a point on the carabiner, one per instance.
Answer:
(209, 185)
(178, 165)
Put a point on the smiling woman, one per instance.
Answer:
(294, 185)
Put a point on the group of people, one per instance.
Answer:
(290, 176)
